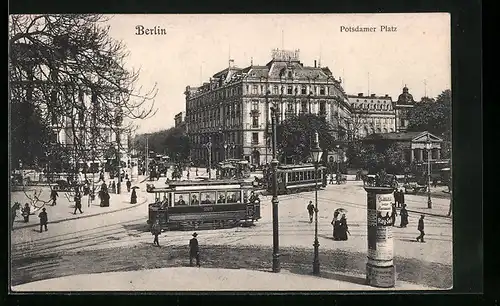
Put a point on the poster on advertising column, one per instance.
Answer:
(384, 243)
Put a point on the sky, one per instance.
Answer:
(417, 53)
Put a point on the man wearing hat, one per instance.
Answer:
(194, 251)
(421, 229)
(43, 219)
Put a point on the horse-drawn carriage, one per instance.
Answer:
(414, 188)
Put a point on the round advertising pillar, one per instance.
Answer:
(380, 269)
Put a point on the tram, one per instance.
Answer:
(209, 204)
(297, 178)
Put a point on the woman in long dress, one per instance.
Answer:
(336, 225)
(344, 228)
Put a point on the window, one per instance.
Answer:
(255, 138)
(195, 198)
(289, 90)
(303, 90)
(290, 107)
(304, 107)
(255, 105)
(208, 198)
(290, 74)
(275, 89)
(322, 90)
(221, 197)
(181, 198)
(322, 108)
(254, 89)
(248, 89)
(255, 121)
(233, 197)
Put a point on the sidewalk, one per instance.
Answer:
(418, 204)
(63, 211)
(205, 279)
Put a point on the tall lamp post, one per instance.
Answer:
(274, 201)
(428, 147)
(316, 154)
(209, 148)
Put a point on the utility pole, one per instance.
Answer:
(118, 158)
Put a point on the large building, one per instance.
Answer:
(229, 116)
(371, 114)
(379, 114)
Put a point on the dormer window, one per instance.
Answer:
(303, 90)
(289, 90)
(290, 74)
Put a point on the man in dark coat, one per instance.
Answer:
(156, 230)
(404, 216)
(402, 197)
(43, 219)
(396, 197)
(194, 251)
(310, 210)
(421, 229)
(26, 212)
(78, 203)
(53, 197)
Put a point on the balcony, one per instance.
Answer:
(250, 126)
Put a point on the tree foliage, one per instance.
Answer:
(374, 158)
(294, 136)
(432, 115)
(174, 142)
(57, 60)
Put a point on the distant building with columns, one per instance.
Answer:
(413, 143)
(179, 120)
(232, 110)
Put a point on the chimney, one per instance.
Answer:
(372, 95)
(314, 63)
(360, 94)
(386, 95)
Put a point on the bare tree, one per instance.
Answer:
(69, 67)
(356, 123)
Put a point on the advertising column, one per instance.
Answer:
(380, 269)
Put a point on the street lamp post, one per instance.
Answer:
(225, 150)
(428, 147)
(274, 201)
(316, 154)
(209, 148)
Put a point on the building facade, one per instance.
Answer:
(179, 120)
(371, 114)
(230, 115)
(417, 146)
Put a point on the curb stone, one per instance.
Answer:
(144, 200)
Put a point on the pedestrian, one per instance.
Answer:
(196, 171)
(133, 197)
(43, 219)
(404, 216)
(194, 251)
(187, 175)
(401, 197)
(113, 187)
(310, 210)
(332, 181)
(129, 184)
(394, 214)
(396, 197)
(344, 228)
(78, 203)
(53, 197)
(155, 231)
(421, 229)
(335, 223)
(26, 212)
